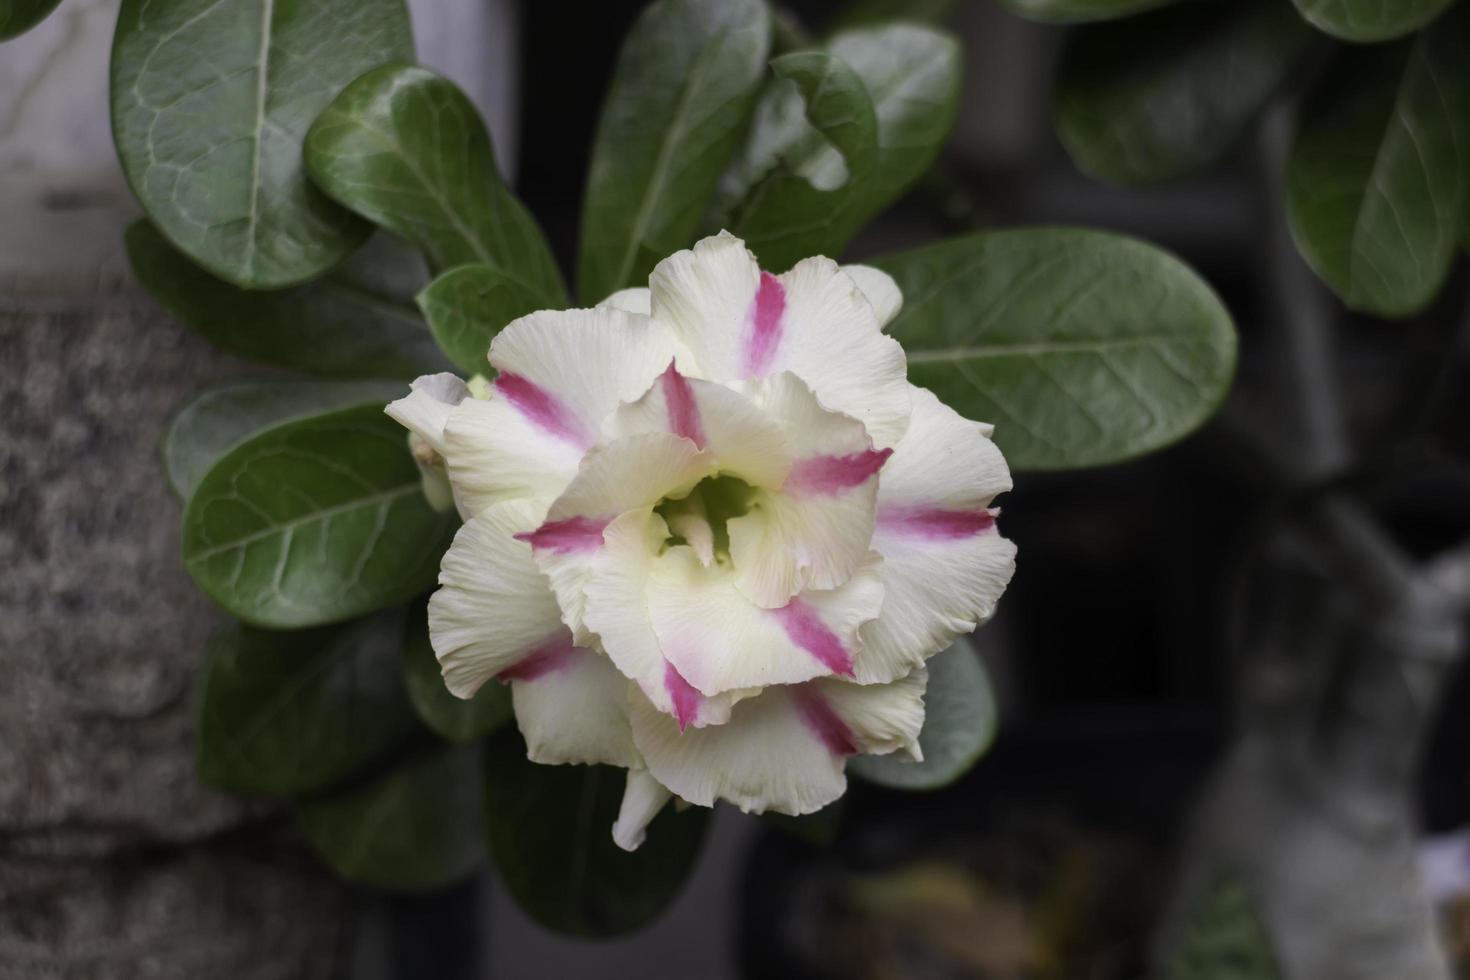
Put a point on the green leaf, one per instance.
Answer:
(450, 717)
(551, 840)
(1082, 347)
(209, 106)
(1377, 181)
(1222, 937)
(468, 305)
(415, 828)
(313, 522)
(19, 16)
(1370, 20)
(284, 713)
(406, 149)
(791, 214)
(959, 724)
(1079, 11)
(1161, 96)
(677, 107)
(222, 418)
(358, 321)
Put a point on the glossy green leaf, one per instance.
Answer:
(210, 102)
(1079, 11)
(551, 840)
(417, 827)
(1377, 181)
(358, 321)
(452, 718)
(791, 214)
(285, 713)
(677, 107)
(959, 724)
(468, 305)
(1222, 937)
(222, 418)
(1370, 20)
(19, 16)
(1082, 347)
(314, 521)
(1161, 96)
(406, 149)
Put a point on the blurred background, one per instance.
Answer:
(1185, 689)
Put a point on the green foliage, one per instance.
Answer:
(416, 827)
(222, 418)
(358, 321)
(1163, 95)
(1370, 20)
(1080, 11)
(405, 149)
(789, 215)
(285, 713)
(676, 109)
(1083, 347)
(959, 724)
(314, 521)
(452, 718)
(19, 16)
(551, 840)
(468, 305)
(209, 107)
(1222, 938)
(1377, 182)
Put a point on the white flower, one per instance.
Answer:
(712, 533)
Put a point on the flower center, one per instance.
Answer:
(700, 519)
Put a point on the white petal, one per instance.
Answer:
(493, 609)
(494, 453)
(426, 407)
(945, 564)
(574, 710)
(741, 323)
(643, 797)
(632, 300)
(566, 371)
(878, 287)
(616, 611)
(881, 718)
(719, 641)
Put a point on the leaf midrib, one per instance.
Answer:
(262, 90)
(949, 354)
(326, 513)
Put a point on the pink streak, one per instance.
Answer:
(765, 325)
(823, 722)
(683, 695)
(683, 410)
(934, 523)
(542, 408)
(805, 628)
(568, 536)
(832, 474)
(552, 655)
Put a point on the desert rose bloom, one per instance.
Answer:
(711, 531)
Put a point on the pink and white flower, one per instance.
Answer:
(711, 531)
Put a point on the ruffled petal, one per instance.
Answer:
(878, 288)
(494, 453)
(571, 708)
(783, 750)
(945, 564)
(427, 406)
(643, 798)
(741, 323)
(719, 641)
(494, 608)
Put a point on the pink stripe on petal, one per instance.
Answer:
(542, 408)
(805, 628)
(823, 721)
(934, 523)
(552, 655)
(683, 695)
(833, 474)
(683, 410)
(568, 536)
(765, 317)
